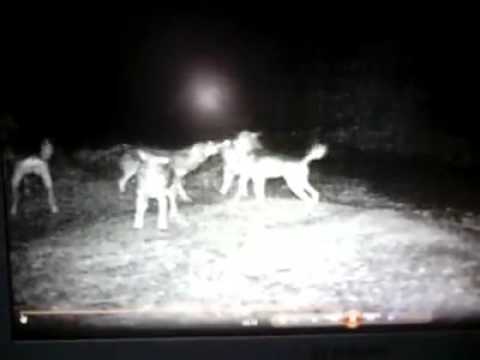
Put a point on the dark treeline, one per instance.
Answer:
(99, 85)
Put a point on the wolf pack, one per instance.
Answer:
(160, 173)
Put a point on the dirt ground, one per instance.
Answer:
(405, 249)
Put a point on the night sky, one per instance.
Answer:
(82, 74)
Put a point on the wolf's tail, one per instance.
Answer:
(316, 152)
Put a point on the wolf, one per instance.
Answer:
(233, 152)
(262, 165)
(34, 165)
(155, 180)
(182, 161)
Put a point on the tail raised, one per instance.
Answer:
(316, 152)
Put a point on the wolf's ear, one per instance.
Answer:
(46, 143)
(142, 154)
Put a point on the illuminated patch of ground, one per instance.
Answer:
(281, 254)
(362, 250)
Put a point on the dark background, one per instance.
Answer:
(106, 74)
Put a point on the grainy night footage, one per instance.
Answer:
(178, 172)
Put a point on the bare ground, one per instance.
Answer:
(358, 248)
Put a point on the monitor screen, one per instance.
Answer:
(189, 174)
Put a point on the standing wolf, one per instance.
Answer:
(261, 165)
(234, 152)
(183, 161)
(155, 180)
(34, 165)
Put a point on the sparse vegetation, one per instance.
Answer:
(372, 242)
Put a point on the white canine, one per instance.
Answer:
(261, 165)
(155, 180)
(182, 161)
(34, 165)
(234, 152)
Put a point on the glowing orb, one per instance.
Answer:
(208, 98)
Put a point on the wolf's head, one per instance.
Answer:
(46, 149)
(247, 141)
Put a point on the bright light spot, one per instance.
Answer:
(208, 98)
(209, 93)
(353, 319)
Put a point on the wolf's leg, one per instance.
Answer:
(182, 193)
(52, 202)
(296, 187)
(141, 205)
(128, 169)
(242, 185)
(16, 180)
(173, 203)
(311, 190)
(228, 175)
(162, 216)
(48, 183)
(259, 188)
(15, 199)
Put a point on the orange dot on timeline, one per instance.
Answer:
(353, 319)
